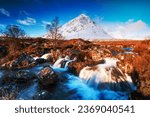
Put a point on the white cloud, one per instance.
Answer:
(27, 21)
(46, 22)
(4, 12)
(127, 30)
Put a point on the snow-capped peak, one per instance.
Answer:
(83, 27)
(77, 24)
(82, 19)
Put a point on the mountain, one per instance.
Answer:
(130, 30)
(82, 27)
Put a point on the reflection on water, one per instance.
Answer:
(127, 49)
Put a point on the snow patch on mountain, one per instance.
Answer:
(83, 27)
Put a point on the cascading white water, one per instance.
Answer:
(107, 76)
(63, 62)
(76, 87)
(67, 63)
(58, 63)
(82, 90)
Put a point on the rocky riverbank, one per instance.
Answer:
(41, 68)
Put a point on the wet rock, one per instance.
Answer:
(41, 60)
(8, 77)
(23, 61)
(23, 76)
(47, 76)
(19, 77)
(75, 67)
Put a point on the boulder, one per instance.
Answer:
(8, 77)
(41, 60)
(19, 77)
(47, 76)
(23, 61)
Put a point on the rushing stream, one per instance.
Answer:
(73, 88)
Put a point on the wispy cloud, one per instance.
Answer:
(4, 12)
(44, 23)
(27, 21)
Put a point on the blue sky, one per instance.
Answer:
(31, 15)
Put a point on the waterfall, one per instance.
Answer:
(107, 76)
(60, 61)
(67, 63)
(91, 84)
(83, 92)
(88, 89)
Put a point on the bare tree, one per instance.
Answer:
(53, 29)
(14, 31)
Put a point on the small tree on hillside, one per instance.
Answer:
(53, 29)
(13, 31)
